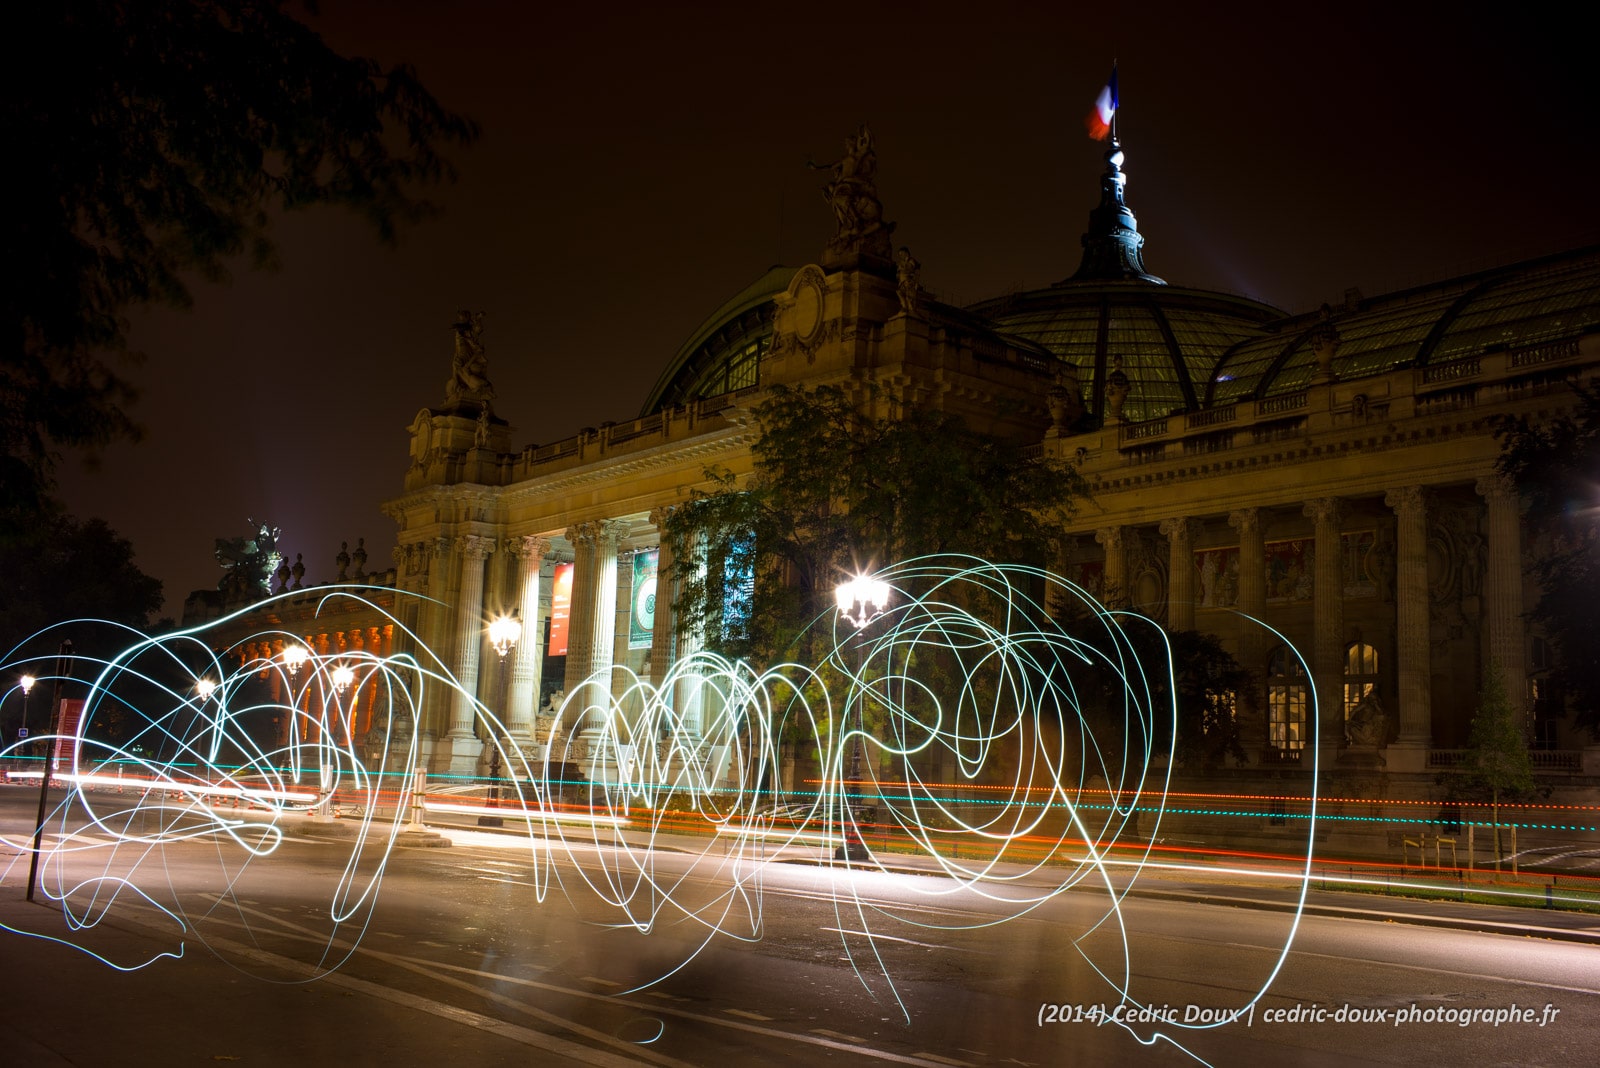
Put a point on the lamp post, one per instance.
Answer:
(860, 600)
(342, 676)
(26, 682)
(63, 672)
(504, 632)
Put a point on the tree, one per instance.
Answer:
(1556, 467)
(159, 137)
(1497, 759)
(837, 488)
(61, 569)
(79, 579)
(1202, 692)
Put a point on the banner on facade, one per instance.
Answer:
(642, 620)
(560, 609)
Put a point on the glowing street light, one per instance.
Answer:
(503, 635)
(343, 676)
(861, 600)
(504, 632)
(205, 687)
(26, 682)
(293, 656)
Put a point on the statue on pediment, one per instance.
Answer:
(469, 369)
(853, 195)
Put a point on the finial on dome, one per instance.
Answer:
(1113, 246)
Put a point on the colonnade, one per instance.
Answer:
(1410, 510)
(470, 573)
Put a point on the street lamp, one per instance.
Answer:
(343, 676)
(293, 656)
(860, 600)
(504, 632)
(26, 682)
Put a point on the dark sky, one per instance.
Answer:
(642, 163)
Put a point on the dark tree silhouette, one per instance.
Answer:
(152, 142)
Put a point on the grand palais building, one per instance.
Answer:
(1330, 472)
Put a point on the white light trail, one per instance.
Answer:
(982, 717)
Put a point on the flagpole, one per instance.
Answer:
(1116, 102)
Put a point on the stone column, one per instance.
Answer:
(1327, 609)
(1114, 592)
(528, 555)
(661, 642)
(687, 696)
(1410, 752)
(434, 713)
(1180, 534)
(467, 642)
(592, 627)
(1252, 638)
(1502, 585)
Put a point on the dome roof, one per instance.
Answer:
(1168, 339)
(1553, 299)
(1113, 314)
(723, 354)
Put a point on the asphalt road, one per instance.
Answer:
(499, 950)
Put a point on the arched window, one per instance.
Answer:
(1287, 695)
(1360, 675)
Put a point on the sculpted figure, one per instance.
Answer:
(907, 287)
(854, 198)
(469, 371)
(1368, 725)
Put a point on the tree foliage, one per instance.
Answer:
(838, 488)
(1556, 467)
(157, 138)
(60, 569)
(1497, 763)
(1187, 680)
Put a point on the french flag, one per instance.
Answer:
(1105, 106)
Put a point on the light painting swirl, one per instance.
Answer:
(995, 722)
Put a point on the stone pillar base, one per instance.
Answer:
(1406, 757)
(1591, 760)
(455, 755)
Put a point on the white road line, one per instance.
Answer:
(892, 938)
(946, 1060)
(748, 1015)
(840, 1035)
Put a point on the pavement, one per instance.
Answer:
(216, 1014)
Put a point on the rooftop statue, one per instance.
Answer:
(248, 563)
(853, 196)
(469, 370)
(908, 285)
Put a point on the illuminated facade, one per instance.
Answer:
(1330, 473)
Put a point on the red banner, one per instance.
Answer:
(560, 609)
(67, 734)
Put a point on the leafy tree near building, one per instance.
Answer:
(837, 488)
(159, 138)
(1497, 763)
(1556, 467)
(77, 578)
(1194, 705)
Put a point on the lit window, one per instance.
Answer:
(1360, 676)
(1287, 695)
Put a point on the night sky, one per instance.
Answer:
(639, 166)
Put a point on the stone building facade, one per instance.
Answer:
(1331, 474)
